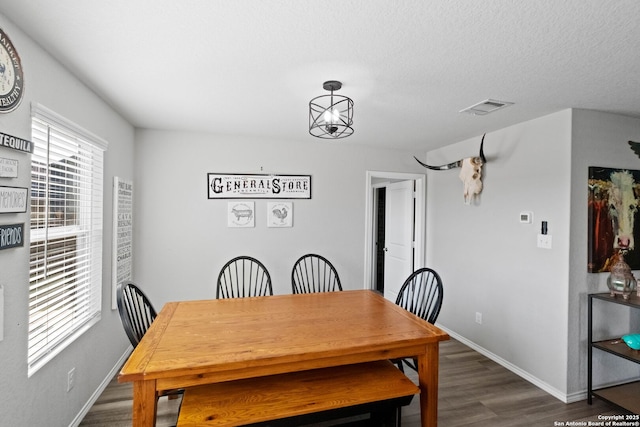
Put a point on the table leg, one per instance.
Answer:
(144, 403)
(428, 381)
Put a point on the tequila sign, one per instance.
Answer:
(15, 143)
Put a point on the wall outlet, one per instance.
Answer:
(478, 318)
(544, 241)
(71, 379)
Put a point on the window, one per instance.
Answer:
(65, 267)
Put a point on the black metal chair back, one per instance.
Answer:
(137, 314)
(243, 276)
(314, 273)
(421, 294)
(136, 311)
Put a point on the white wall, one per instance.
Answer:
(42, 400)
(489, 261)
(533, 301)
(599, 139)
(182, 238)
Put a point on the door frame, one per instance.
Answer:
(370, 223)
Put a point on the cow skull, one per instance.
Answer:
(470, 173)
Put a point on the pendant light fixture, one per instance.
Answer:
(331, 116)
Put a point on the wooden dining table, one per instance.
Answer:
(207, 341)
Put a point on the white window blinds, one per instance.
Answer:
(65, 269)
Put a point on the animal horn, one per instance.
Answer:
(442, 167)
(635, 146)
(454, 164)
(482, 157)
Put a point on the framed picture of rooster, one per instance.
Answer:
(613, 217)
(279, 214)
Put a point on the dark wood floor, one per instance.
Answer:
(474, 391)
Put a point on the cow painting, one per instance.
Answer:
(614, 198)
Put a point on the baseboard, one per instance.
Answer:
(103, 385)
(516, 370)
(576, 397)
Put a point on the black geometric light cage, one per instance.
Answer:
(331, 116)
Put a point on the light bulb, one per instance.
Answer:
(332, 116)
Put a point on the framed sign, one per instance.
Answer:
(122, 235)
(8, 168)
(13, 199)
(280, 214)
(15, 143)
(241, 186)
(12, 84)
(240, 214)
(11, 236)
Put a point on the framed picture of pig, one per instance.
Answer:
(240, 214)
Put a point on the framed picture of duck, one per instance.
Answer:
(280, 214)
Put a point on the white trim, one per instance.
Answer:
(101, 388)
(369, 222)
(63, 344)
(39, 110)
(516, 370)
(88, 151)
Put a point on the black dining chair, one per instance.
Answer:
(243, 276)
(314, 273)
(136, 311)
(137, 314)
(421, 294)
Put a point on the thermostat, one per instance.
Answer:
(526, 217)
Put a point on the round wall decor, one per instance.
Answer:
(11, 75)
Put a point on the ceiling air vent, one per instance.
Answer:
(485, 107)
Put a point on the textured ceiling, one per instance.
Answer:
(250, 67)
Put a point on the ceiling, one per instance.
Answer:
(250, 67)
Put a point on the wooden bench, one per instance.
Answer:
(299, 398)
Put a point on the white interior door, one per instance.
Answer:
(398, 251)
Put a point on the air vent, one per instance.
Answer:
(485, 107)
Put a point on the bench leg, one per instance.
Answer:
(386, 418)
